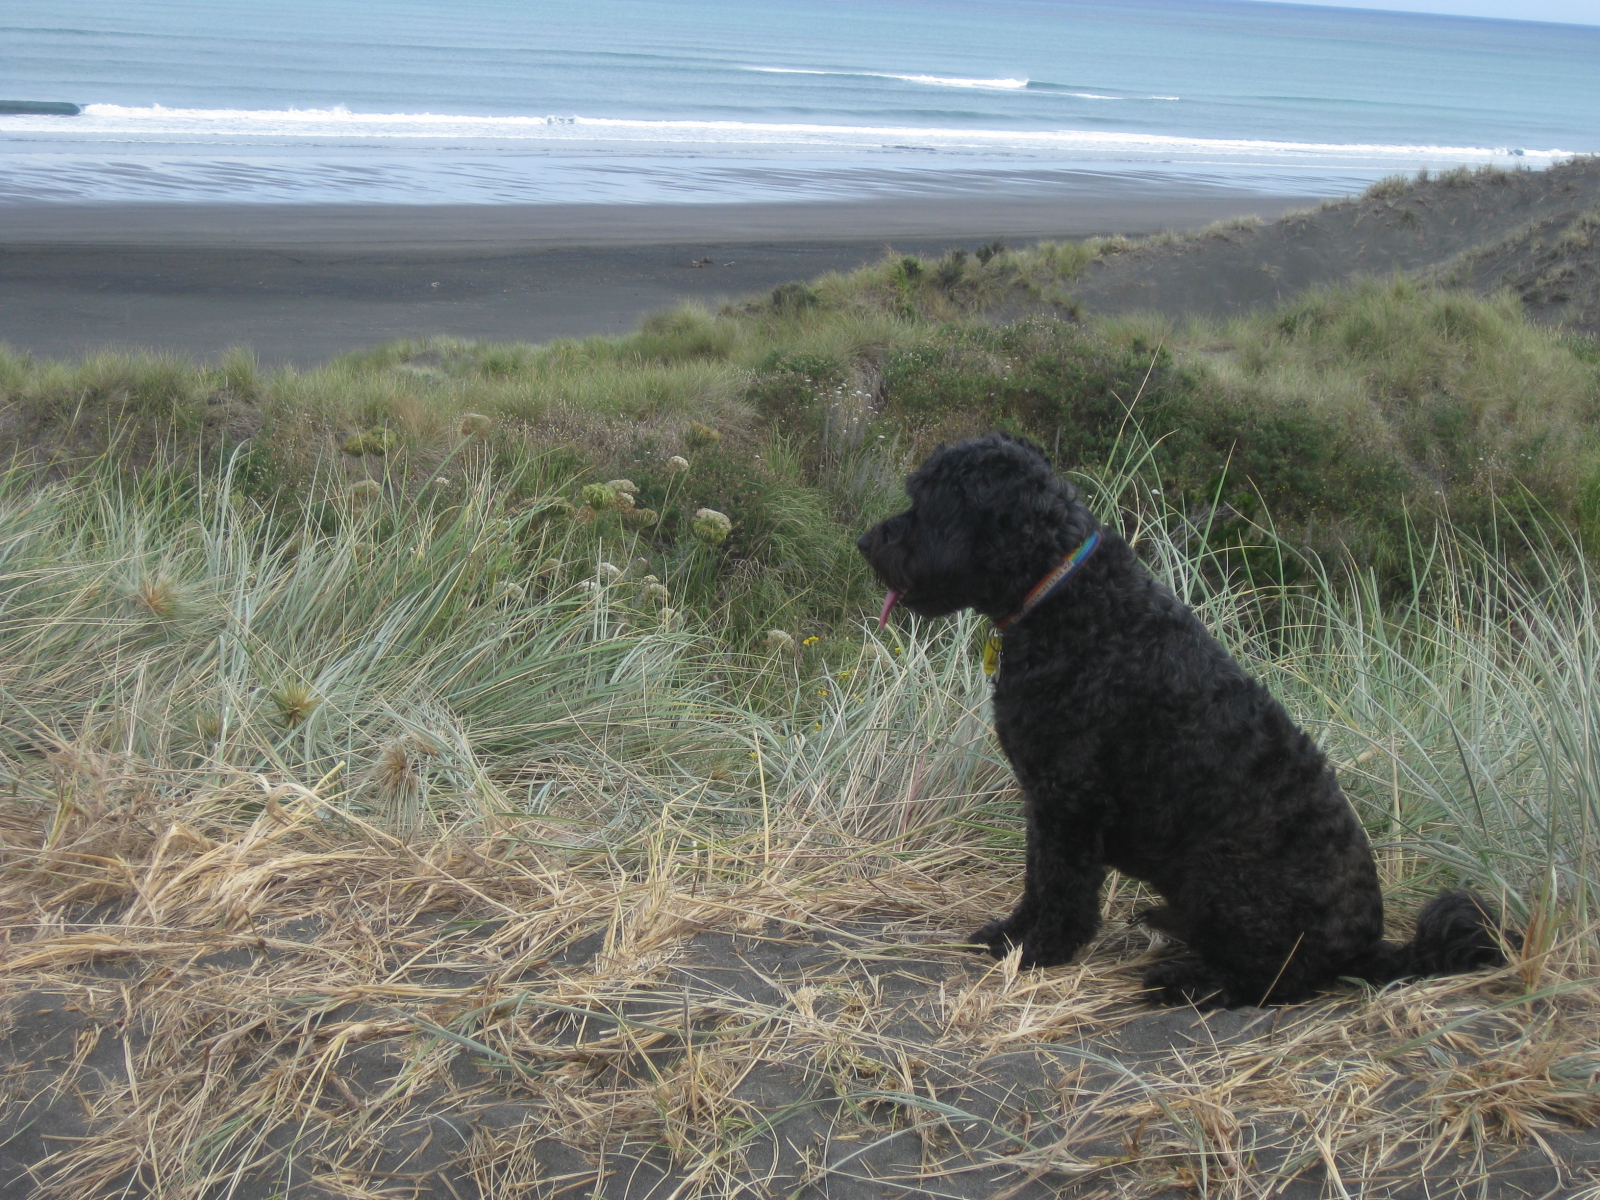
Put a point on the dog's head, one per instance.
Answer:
(988, 518)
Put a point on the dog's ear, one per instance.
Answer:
(1058, 490)
(1027, 444)
(1051, 497)
(1065, 489)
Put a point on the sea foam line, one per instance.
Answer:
(155, 123)
(956, 81)
(1009, 85)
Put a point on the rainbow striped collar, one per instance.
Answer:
(1066, 570)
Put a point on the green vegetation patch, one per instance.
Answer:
(1348, 420)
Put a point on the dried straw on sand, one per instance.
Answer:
(229, 988)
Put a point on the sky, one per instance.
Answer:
(1576, 12)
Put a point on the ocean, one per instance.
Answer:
(636, 101)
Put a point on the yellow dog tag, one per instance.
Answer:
(991, 654)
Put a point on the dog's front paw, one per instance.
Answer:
(1001, 937)
(1185, 980)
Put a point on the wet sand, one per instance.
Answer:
(304, 283)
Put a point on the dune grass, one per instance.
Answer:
(420, 649)
(406, 736)
(1355, 416)
(310, 832)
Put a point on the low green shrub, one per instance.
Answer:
(1351, 418)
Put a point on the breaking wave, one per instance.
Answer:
(156, 125)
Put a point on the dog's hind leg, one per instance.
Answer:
(1186, 979)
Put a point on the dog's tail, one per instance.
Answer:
(1456, 931)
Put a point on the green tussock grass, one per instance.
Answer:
(1353, 417)
(463, 659)
(422, 785)
(1393, 186)
(400, 744)
(504, 549)
(340, 808)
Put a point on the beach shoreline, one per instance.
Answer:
(301, 284)
(1099, 205)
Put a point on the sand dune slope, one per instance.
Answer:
(1536, 232)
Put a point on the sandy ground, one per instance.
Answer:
(302, 284)
(197, 1003)
(1535, 232)
(925, 1072)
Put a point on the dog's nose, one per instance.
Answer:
(864, 542)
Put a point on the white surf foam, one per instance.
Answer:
(105, 123)
(1007, 85)
(955, 81)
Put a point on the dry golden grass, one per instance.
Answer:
(226, 986)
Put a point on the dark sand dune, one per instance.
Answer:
(1537, 232)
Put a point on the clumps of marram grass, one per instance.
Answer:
(1465, 176)
(378, 441)
(1391, 187)
(1581, 234)
(793, 298)
(1431, 381)
(1221, 229)
(710, 527)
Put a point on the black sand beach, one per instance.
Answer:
(302, 284)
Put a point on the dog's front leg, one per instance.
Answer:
(1060, 906)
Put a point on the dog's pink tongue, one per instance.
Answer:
(888, 603)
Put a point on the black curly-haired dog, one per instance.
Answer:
(1140, 744)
